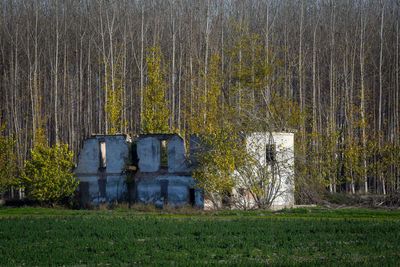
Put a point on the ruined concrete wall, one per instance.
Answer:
(177, 161)
(88, 159)
(168, 189)
(152, 183)
(173, 185)
(99, 185)
(148, 150)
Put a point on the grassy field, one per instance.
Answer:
(37, 236)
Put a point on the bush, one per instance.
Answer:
(48, 177)
(8, 161)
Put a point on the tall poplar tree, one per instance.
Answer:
(155, 111)
(114, 102)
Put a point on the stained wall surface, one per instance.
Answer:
(283, 143)
(98, 185)
(173, 185)
(148, 150)
(151, 183)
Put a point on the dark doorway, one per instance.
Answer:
(192, 199)
(102, 187)
(164, 190)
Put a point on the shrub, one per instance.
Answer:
(8, 160)
(48, 177)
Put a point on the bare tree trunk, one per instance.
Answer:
(314, 79)
(56, 81)
(397, 123)
(172, 123)
(89, 93)
(301, 64)
(124, 83)
(332, 87)
(206, 60)
(180, 90)
(110, 26)
(362, 100)
(105, 65)
(141, 68)
(35, 88)
(381, 93)
(81, 125)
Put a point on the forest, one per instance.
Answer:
(327, 70)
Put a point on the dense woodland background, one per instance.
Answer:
(333, 66)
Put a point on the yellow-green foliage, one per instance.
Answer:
(155, 113)
(221, 152)
(219, 143)
(207, 118)
(220, 121)
(8, 160)
(260, 96)
(48, 177)
(115, 103)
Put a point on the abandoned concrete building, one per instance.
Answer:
(276, 151)
(100, 169)
(154, 168)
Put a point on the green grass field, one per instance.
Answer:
(36, 236)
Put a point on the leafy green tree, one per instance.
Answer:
(8, 161)
(47, 176)
(221, 122)
(220, 148)
(221, 152)
(207, 118)
(115, 103)
(155, 110)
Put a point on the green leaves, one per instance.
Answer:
(155, 112)
(8, 161)
(221, 153)
(48, 177)
(115, 103)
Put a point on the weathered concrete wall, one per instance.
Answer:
(114, 188)
(151, 183)
(177, 161)
(148, 150)
(149, 190)
(117, 153)
(88, 159)
(173, 186)
(100, 185)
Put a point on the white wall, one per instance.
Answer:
(256, 143)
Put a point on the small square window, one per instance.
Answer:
(270, 153)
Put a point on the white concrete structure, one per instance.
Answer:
(267, 177)
(276, 151)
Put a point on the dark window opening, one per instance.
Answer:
(84, 193)
(102, 187)
(102, 154)
(164, 154)
(164, 190)
(192, 199)
(226, 199)
(270, 153)
(241, 191)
